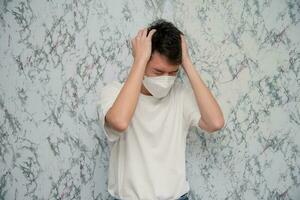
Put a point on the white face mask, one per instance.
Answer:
(159, 86)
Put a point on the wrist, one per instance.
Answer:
(186, 62)
(140, 61)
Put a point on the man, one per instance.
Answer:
(147, 117)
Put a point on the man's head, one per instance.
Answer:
(166, 49)
(165, 54)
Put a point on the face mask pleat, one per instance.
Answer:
(159, 86)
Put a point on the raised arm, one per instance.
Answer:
(121, 112)
(212, 118)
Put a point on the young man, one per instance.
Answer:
(147, 117)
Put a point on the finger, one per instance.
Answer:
(144, 33)
(140, 33)
(133, 41)
(151, 33)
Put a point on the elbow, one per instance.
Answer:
(218, 125)
(116, 123)
(119, 125)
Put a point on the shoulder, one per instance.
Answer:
(183, 90)
(180, 87)
(111, 87)
(113, 84)
(177, 85)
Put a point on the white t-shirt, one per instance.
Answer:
(147, 161)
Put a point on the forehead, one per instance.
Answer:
(160, 62)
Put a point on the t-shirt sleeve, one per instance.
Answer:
(191, 113)
(107, 96)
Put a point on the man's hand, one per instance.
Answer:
(141, 44)
(185, 54)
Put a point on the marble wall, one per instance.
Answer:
(55, 56)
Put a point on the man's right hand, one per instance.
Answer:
(141, 45)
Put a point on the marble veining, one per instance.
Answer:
(55, 56)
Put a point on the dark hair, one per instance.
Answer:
(166, 40)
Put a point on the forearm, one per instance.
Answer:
(124, 106)
(210, 110)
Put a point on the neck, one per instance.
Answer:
(145, 91)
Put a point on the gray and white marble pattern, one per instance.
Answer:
(55, 56)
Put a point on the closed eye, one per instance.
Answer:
(160, 72)
(157, 72)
